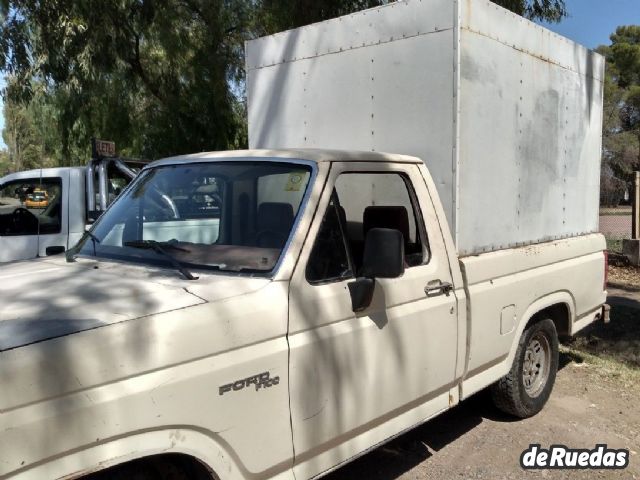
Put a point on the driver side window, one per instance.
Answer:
(31, 207)
(328, 261)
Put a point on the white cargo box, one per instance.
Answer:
(506, 114)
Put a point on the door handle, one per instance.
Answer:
(437, 287)
(54, 250)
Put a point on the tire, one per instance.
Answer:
(524, 391)
(170, 467)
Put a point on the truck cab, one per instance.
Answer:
(41, 212)
(45, 212)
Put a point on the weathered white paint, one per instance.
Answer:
(506, 114)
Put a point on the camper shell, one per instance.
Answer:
(506, 114)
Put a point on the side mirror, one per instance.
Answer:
(383, 254)
(383, 258)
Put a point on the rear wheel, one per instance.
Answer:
(524, 391)
(164, 467)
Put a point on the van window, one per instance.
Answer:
(31, 207)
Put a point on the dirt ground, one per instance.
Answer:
(624, 276)
(596, 399)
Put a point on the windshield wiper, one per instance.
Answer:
(94, 240)
(72, 252)
(160, 249)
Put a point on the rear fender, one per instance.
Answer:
(557, 298)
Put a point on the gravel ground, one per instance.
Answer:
(595, 400)
(625, 276)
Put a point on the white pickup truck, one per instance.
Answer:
(317, 311)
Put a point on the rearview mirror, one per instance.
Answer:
(383, 258)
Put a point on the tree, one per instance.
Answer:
(624, 55)
(5, 164)
(157, 77)
(19, 136)
(277, 15)
(549, 10)
(621, 119)
(622, 99)
(28, 133)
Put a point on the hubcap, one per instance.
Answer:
(537, 361)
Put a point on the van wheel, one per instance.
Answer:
(524, 391)
(164, 467)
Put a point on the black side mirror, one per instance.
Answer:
(383, 258)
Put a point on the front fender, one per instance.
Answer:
(211, 452)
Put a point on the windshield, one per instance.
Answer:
(228, 216)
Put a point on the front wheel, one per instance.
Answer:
(524, 391)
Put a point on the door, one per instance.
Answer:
(357, 379)
(53, 220)
(32, 218)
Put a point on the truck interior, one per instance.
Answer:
(225, 215)
(21, 214)
(385, 200)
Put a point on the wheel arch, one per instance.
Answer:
(558, 306)
(191, 467)
(190, 444)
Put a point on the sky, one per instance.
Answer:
(590, 23)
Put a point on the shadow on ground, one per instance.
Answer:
(620, 339)
(414, 447)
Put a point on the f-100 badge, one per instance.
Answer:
(262, 380)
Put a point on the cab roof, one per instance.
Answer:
(308, 154)
(37, 173)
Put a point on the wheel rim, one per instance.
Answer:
(537, 362)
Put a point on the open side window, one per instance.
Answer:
(329, 260)
(31, 207)
(381, 200)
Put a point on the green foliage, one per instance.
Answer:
(157, 77)
(621, 119)
(5, 163)
(549, 10)
(29, 132)
(621, 130)
(278, 15)
(624, 55)
(153, 76)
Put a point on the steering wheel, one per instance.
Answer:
(172, 205)
(160, 197)
(21, 218)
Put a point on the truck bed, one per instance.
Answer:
(505, 287)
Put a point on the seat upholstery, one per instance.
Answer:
(274, 224)
(395, 217)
